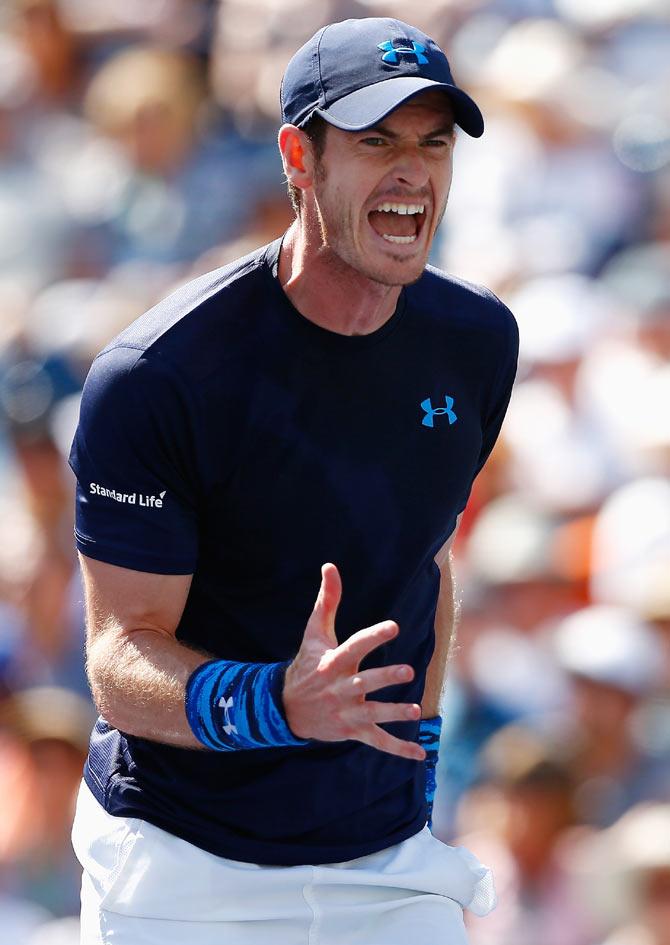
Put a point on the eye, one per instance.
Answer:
(374, 142)
(437, 143)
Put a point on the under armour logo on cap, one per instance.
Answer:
(354, 73)
(392, 53)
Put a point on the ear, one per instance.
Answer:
(297, 156)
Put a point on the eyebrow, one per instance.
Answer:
(442, 130)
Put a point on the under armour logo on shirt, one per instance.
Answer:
(431, 411)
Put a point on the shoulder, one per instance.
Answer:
(191, 325)
(462, 303)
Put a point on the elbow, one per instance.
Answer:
(100, 686)
(104, 670)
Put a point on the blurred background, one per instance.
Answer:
(137, 150)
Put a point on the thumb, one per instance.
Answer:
(327, 602)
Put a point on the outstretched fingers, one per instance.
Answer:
(392, 711)
(377, 738)
(324, 675)
(321, 624)
(330, 591)
(370, 680)
(357, 647)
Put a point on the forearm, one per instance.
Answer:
(148, 684)
(138, 680)
(445, 636)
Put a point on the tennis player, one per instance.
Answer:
(271, 464)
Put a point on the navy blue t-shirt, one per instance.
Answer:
(225, 435)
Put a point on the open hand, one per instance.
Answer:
(324, 692)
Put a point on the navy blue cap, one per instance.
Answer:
(355, 72)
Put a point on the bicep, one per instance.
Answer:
(129, 600)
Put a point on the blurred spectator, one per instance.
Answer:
(50, 647)
(614, 660)
(526, 806)
(173, 23)
(631, 549)
(52, 48)
(515, 582)
(624, 876)
(43, 738)
(34, 225)
(634, 356)
(185, 185)
(547, 197)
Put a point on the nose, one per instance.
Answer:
(411, 169)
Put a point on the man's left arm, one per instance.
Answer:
(445, 635)
(446, 616)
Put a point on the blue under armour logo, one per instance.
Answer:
(393, 52)
(433, 411)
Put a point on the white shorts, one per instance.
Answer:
(143, 886)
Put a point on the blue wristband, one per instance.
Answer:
(429, 739)
(233, 706)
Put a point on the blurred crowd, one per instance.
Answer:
(137, 150)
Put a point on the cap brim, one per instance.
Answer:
(366, 107)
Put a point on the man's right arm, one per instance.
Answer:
(138, 670)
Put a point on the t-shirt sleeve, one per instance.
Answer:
(135, 458)
(506, 356)
(502, 389)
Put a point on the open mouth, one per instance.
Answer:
(397, 222)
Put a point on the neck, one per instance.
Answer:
(327, 291)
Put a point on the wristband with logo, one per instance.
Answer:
(429, 739)
(235, 706)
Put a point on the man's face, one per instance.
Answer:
(379, 194)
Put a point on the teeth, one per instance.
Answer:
(402, 208)
(398, 239)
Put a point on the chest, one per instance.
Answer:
(365, 450)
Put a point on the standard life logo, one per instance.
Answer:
(129, 498)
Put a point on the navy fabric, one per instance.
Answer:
(355, 72)
(225, 435)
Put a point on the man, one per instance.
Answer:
(321, 406)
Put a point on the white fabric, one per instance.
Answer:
(143, 886)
